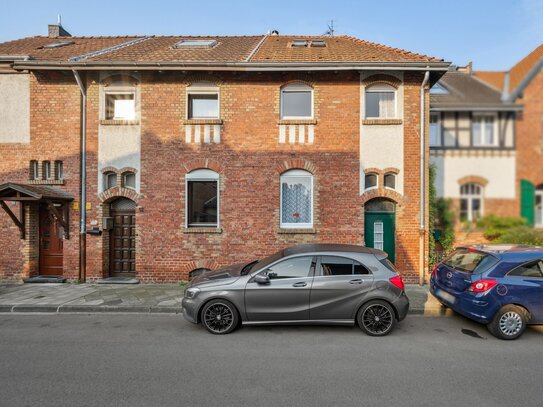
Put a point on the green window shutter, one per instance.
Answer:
(527, 201)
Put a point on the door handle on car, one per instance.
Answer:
(300, 284)
(356, 281)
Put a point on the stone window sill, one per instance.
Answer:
(203, 121)
(293, 231)
(381, 121)
(294, 121)
(46, 182)
(202, 230)
(112, 122)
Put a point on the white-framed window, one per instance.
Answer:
(202, 199)
(435, 130)
(296, 101)
(390, 180)
(296, 199)
(484, 129)
(203, 101)
(110, 180)
(120, 105)
(471, 202)
(371, 180)
(380, 101)
(59, 170)
(34, 174)
(538, 207)
(46, 169)
(129, 180)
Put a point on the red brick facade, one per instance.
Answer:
(249, 160)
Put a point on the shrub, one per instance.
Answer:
(495, 226)
(522, 235)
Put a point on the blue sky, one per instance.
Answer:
(494, 34)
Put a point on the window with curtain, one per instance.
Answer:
(296, 199)
(380, 101)
(202, 198)
(483, 129)
(296, 101)
(471, 202)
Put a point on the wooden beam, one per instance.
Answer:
(18, 223)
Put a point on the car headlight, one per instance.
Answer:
(191, 292)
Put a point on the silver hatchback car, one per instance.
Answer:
(304, 284)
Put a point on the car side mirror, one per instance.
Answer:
(262, 279)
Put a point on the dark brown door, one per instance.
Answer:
(51, 256)
(123, 243)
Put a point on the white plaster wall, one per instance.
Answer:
(499, 171)
(119, 146)
(381, 146)
(14, 108)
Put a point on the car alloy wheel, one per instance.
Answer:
(377, 318)
(220, 317)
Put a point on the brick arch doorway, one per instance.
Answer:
(380, 226)
(122, 238)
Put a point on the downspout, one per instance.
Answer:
(422, 242)
(83, 172)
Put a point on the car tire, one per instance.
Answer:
(220, 317)
(509, 322)
(376, 318)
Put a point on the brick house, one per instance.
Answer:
(473, 146)
(523, 84)
(205, 151)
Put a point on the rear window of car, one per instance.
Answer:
(470, 261)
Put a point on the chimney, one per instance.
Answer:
(466, 69)
(57, 30)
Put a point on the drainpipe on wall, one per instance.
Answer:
(83, 180)
(422, 241)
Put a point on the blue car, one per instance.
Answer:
(500, 286)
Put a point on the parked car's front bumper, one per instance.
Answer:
(190, 310)
(479, 308)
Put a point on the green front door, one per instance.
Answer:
(380, 232)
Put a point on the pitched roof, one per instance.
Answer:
(513, 81)
(36, 192)
(467, 91)
(248, 50)
(493, 78)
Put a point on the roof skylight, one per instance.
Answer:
(196, 44)
(318, 43)
(298, 43)
(58, 44)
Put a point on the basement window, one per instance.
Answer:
(195, 44)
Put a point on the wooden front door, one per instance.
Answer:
(51, 243)
(123, 243)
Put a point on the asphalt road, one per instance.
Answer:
(161, 360)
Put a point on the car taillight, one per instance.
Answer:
(398, 282)
(482, 286)
(434, 271)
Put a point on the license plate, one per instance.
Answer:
(445, 296)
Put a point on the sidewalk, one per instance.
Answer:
(140, 298)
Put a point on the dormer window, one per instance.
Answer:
(195, 44)
(298, 43)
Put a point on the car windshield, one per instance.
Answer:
(469, 261)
